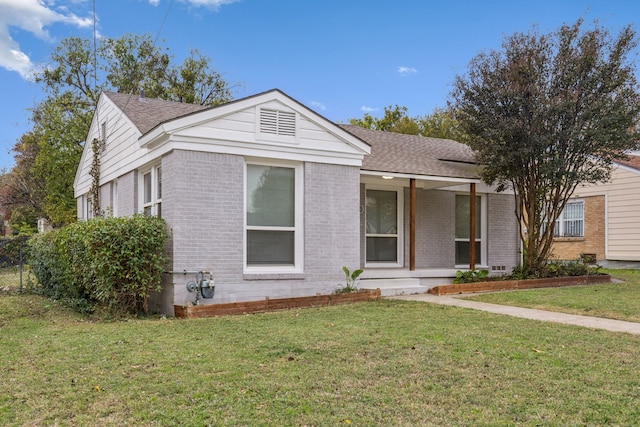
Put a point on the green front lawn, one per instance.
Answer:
(611, 300)
(378, 363)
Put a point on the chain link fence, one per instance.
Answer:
(13, 268)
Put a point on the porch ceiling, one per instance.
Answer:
(403, 180)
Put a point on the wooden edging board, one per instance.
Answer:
(505, 285)
(268, 304)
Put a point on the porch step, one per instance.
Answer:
(392, 287)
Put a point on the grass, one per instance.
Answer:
(377, 363)
(619, 301)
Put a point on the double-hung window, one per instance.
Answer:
(383, 227)
(152, 191)
(273, 217)
(571, 220)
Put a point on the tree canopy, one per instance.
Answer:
(439, 124)
(546, 113)
(72, 82)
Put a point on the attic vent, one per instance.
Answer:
(276, 122)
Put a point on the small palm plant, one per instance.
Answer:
(351, 278)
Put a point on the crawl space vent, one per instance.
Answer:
(276, 122)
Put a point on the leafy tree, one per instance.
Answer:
(72, 82)
(133, 63)
(439, 124)
(395, 119)
(195, 82)
(60, 127)
(21, 193)
(546, 113)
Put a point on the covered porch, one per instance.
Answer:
(436, 229)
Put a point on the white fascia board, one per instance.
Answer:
(422, 177)
(626, 168)
(150, 139)
(87, 144)
(481, 188)
(76, 191)
(260, 150)
(316, 118)
(199, 117)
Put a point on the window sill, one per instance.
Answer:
(273, 276)
(383, 265)
(569, 239)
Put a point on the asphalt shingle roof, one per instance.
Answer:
(150, 112)
(632, 161)
(390, 152)
(415, 155)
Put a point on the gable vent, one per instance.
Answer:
(276, 122)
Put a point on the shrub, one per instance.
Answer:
(570, 268)
(113, 263)
(470, 276)
(556, 268)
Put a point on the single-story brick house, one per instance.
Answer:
(601, 220)
(273, 199)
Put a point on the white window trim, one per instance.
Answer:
(400, 242)
(483, 232)
(559, 230)
(88, 205)
(298, 265)
(155, 201)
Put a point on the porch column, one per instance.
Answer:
(472, 226)
(412, 224)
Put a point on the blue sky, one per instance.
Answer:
(340, 57)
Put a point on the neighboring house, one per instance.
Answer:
(601, 221)
(273, 199)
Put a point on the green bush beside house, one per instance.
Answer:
(113, 264)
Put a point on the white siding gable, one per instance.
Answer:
(270, 126)
(298, 134)
(121, 145)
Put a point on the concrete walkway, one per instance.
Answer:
(528, 313)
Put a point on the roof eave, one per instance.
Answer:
(401, 175)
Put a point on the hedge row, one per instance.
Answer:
(111, 263)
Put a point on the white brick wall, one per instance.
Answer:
(203, 202)
(435, 226)
(504, 241)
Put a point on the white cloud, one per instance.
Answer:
(32, 16)
(405, 71)
(213, 4)
(318, 105)
(154, 2)
(366, 109)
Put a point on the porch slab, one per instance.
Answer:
(394, 287)
(395, 281)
